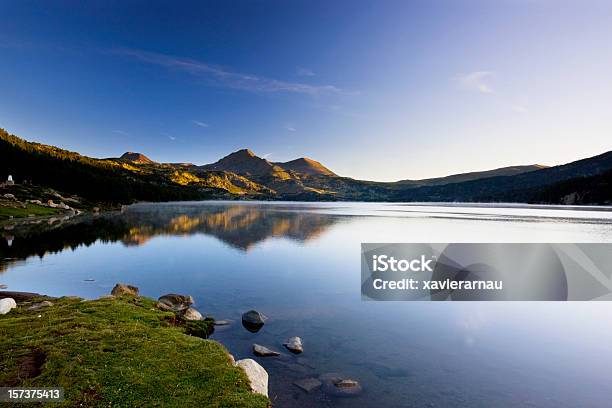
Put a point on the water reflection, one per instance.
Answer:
(239, 226)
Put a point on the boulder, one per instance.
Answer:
(9, 197)
(339, 386)
(191, 314)
(174, 302)
(294, 345)
(258, 376)
(253, 321)
(121, 289)
(308, 384)
(6, 305)
(263, 351)
(44, 303)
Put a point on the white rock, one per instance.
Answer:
(257, 375)
(6, 305)
(263, 351)
(294, 344)
(192, 314)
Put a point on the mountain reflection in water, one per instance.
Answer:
(240, 226)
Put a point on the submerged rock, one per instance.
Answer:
(308, 384)
(44, 303)
(122, 289)
(6, 305)
(253, 321)
(174, 302)
(263, 351)
(191, 314)
(294, 345)
(339, 386)
(258, 376)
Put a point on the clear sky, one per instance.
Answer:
(378, 90)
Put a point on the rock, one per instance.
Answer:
(253, 321)
(222, 322)
(257, 375)
(339, 386)
(175, 302)
(263, 351)
(9, 197)
(6, 305)
(44, 303)
(231, 358)
(191, 314)
(294, 345)
(121, 289)
(51, 204)
(308, 384)
(96, 209)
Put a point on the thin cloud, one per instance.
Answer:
(290, 128)
(224, 77)
(200, 124)
(121, 132)
(307, 72)
(267, 155)
(475, 81)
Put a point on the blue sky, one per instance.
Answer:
(378, 90)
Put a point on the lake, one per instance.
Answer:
(299, 264)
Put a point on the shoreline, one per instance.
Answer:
(72, 342)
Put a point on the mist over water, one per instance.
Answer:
(299, 263)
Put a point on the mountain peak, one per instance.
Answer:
(304, 165)
(137, 158)
(244, 161)
(246, 153)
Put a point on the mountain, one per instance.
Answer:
(136, 158)
(523, 187)
(242, 174)
(591, 190)
(307, 166)
(114, 180)
(245, 162)
(459, 178)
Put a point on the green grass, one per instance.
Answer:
(120, 353)
(37, 210)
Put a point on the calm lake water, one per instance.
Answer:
(299, 263)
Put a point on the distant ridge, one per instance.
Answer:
(474, 175)
(137, 158)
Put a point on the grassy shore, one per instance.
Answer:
(120, 352)
(7, 212)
